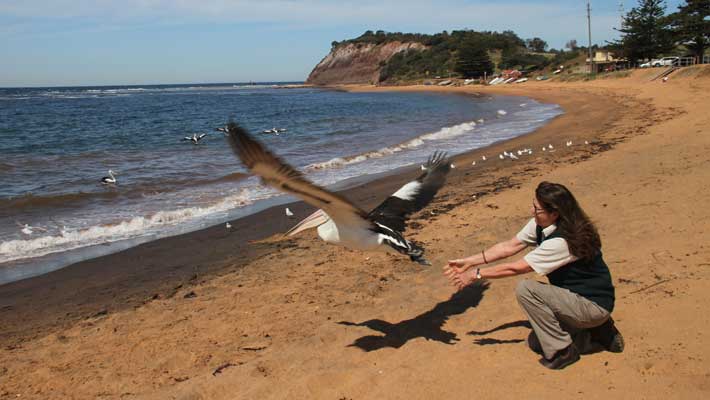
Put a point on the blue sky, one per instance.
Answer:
(103, 42)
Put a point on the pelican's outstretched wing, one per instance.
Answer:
(201, 136)
(187, 138)
(274, 172)
(413, 196)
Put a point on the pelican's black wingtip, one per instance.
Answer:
(233, 127)
(436, 159)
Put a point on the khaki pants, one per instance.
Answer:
(557, 315)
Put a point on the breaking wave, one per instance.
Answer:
(443, 133)
(68, 239)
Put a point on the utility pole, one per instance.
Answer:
(589, 32)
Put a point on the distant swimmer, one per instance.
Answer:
(194, 138)
(109, 180)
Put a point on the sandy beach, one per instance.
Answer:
(246, 314)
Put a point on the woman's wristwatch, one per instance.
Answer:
(478, 273)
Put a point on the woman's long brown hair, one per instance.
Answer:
(573, 223)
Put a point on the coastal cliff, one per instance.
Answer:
(353, 63)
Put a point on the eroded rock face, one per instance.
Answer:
(357, 62)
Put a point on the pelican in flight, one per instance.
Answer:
(338, 220)
(194, 138)
(109, 180)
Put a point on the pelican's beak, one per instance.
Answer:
(316, 219)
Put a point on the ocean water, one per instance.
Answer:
(57, 143)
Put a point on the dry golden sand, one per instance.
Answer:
(309, 320)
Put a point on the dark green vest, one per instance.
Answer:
(588, 278)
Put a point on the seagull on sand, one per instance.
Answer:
(110, 179)
(194, 138)
(339, 221)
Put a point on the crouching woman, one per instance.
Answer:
(571, 314)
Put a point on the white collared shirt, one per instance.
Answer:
(550, 255)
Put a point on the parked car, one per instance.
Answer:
(661, 62)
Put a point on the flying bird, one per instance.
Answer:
(338, 220)
(194, 138)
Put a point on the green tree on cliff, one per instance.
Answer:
(473, 60)
(691, 26)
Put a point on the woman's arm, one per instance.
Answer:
(498, 251)
(461, 279)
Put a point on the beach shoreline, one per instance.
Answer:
(198, 315)
(113, 273)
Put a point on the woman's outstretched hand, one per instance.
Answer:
(460, 265)
(458, 276)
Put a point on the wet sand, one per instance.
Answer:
(246, 314)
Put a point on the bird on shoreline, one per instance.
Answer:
(109, 180)
(194, 138)
(338, 220)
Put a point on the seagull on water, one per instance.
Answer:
(28, 230)
(339, 221)
(109, 180)
(194, 138)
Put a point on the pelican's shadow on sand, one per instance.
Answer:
(489, 341)
(427, 325)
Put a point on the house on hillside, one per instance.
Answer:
(605, 61)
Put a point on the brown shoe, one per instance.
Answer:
(563, 358)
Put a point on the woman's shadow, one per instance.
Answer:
(427, 325)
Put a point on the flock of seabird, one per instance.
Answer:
(515, 155)
(194, 139)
